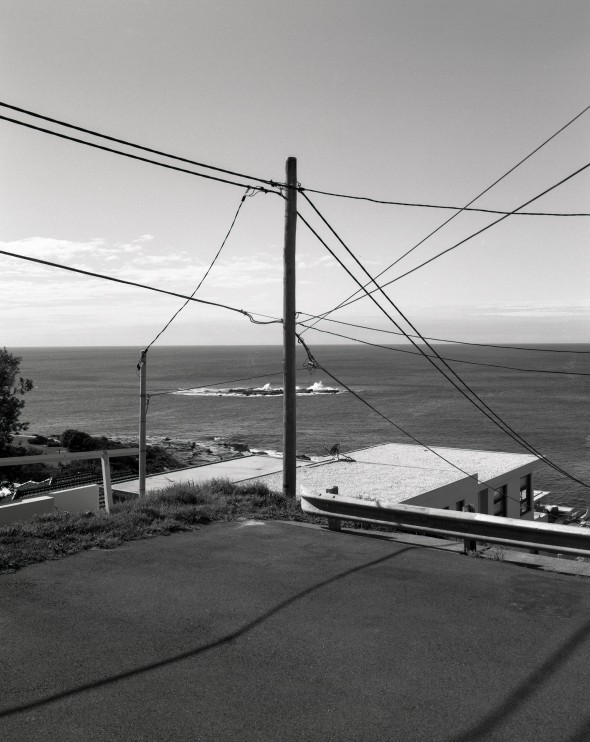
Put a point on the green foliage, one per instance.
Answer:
(157, 459)
(77, 440)
(12, 388)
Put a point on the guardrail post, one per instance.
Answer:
(334, 524)
(106, 481)
(469, 544)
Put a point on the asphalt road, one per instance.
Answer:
(280, 632)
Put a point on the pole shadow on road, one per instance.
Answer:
(21, 708)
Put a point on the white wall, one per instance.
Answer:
(448, 495)
(76, 500)
(25, 510)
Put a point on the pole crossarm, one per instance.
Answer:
(508, 531)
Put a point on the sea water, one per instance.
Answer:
(97, 390)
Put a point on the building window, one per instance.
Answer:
(460, 505)
(483, 501)
(500, 501)
(526, 494)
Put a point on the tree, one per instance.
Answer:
(77, 440)
(12, 388)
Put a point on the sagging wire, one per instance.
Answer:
(452, 360)
(248, 192)
(485, 409)
(438, 340)
(313, 364)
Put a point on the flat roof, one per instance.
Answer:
(398, 472)
(236, 470)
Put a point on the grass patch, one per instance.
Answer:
(184, 507)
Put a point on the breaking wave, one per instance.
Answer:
(268, 390)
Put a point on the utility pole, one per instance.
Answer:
(289, 340)
(142, 419)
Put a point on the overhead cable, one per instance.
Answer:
(457, 244)
(271, 183)
(105, 277)
(167, 325)
(312, 363)
(303, 190)
(440, 340)
(472, 201)
(134, 145)
(474, 399)
(451, 360)
(466, 208)
(134, 157)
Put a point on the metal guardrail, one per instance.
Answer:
(472, 527)
(104, 455)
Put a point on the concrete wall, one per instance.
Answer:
(475, 495)
(78, 499)
(25, 510)
(448, 495)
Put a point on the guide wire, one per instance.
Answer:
(490, 414)
(452, 360)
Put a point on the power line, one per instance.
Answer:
(271, 183)
(303, 191)
(133, 157)
(105, 277)
(440, 340)
(312, 363)
(473, 200)
(485, 409)
(132, 144)
(452, 360)
(206, 273)
(380, 287)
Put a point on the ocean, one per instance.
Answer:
(97, 390)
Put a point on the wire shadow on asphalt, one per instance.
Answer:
(246, 628)
(528, 687)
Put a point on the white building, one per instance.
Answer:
(493, 483)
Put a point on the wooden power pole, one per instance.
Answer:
(289, 339)
(142, 420)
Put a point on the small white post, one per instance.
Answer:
(106, 481)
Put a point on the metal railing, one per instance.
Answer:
(471, 527)
(105, 455)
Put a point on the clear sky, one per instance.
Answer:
(410, 101)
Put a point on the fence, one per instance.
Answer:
(104, 455)
(469, 526)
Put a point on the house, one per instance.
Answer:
(491, 482)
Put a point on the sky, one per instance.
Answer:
(413, 101)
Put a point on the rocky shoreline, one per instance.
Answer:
(192, 452)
